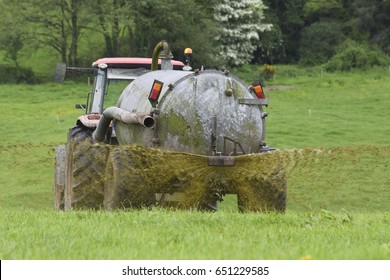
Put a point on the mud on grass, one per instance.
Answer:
(134, 174)
(353, 178)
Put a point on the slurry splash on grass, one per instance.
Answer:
(134, 174)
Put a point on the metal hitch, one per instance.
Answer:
(221, 160)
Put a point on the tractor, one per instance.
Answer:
(175, 137)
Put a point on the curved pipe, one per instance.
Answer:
(161, 46)
(119, 114)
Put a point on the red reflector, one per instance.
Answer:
(155, 91)
(259, 91)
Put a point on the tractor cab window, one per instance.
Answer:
(118, 80)
(125, 73)
(109, 83)
(114, 90)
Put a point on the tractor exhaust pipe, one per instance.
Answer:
(119, 114)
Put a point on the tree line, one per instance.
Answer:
(221, 32)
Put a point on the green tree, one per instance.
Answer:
(319, 10)
(54, 23)
(372, 21)
(113, 20)
(291, 21)
(319, 42)
(11, 36)
(355, 55)
(182, 23)
(270, 50)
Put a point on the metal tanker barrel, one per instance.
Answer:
(202, 112)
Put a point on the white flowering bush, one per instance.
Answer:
(241, 23)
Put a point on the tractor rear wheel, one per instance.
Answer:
(126, 185)
(85, 165)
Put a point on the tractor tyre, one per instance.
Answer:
(126, 184)
(59, 177)
(265, 195)
(84, 178)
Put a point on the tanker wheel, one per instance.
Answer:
(269, 194)
(84, 178)
(125, 185)
(59, 177)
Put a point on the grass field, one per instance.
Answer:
(160, 234)
(333, 128)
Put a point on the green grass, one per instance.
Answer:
(334, 129)
(161, 234)
(329, 110)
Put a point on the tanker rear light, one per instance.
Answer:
(258, 90)
(155, 92)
